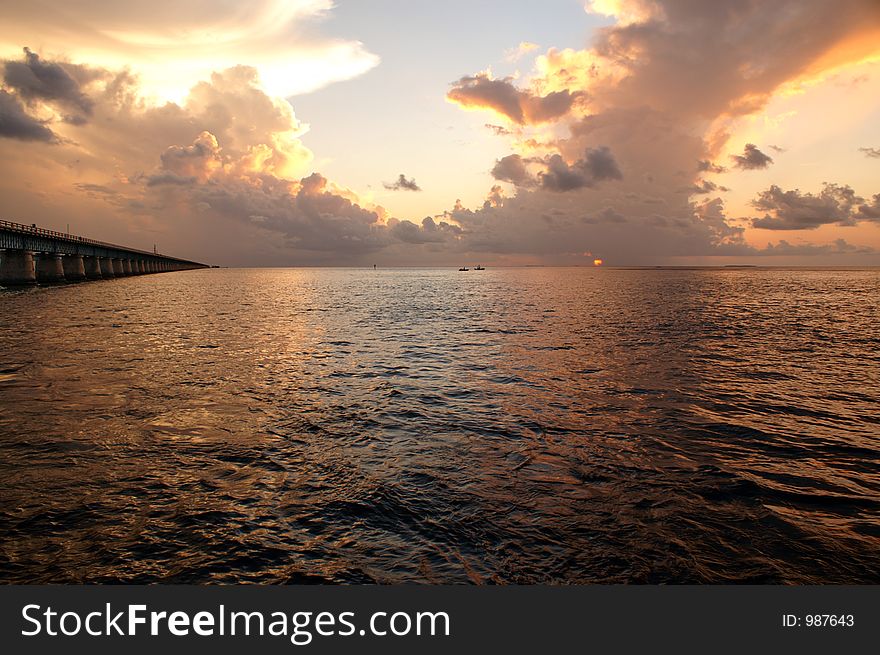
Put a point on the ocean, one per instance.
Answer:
(512, 425)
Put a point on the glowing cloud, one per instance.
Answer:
(481, 91)
(177, 43)
(613, 149)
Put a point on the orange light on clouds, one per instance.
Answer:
(598, 262)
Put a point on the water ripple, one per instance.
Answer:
(521, 426)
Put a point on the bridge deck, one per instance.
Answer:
(17, 236)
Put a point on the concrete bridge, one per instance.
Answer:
(29, 254)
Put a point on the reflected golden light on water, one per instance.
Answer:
(347, 425)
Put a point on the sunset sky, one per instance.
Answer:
(312, 132)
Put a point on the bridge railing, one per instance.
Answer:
(39, 231)
(52, 234)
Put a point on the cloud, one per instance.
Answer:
(311, 213)
(158, 179)
(196, 161)
(793, 210)
(598, 164)
(430, 231)
(712, 59)
(96, 189)
(15, 123)
(751, 159)
(663, 89)
(495, 197)
(480, 91)
(869, 212)
(606, 141)
(36, 79)
(170, 45)
(233, 161)
(607, 215)
(705, 186)
(706, 166)
(838, 247)
(402, 184)
(498, 129)
(555, 173)
(871, 152)
(517, 53)
(512, 168)
(626, 13)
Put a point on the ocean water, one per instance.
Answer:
(533, 425)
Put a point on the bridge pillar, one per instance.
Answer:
(107, 267)
(17, 267)
(136, 267)
(117, 267)
(92, 267)
(50, 267)
(126, 266)
(74, 268)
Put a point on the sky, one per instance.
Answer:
(401, 133)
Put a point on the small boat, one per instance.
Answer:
(464, 268)
(479, 268)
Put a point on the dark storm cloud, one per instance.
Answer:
(598, 164)
(15, 123)
(871, 152)
(793, 210)
(37, 79)
(522, 107)
(559, 176)
(752, 158)
(512, 169)
(601, 165)
(402, 184)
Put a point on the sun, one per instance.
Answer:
(598, 262)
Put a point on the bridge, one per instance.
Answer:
(29, 255)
